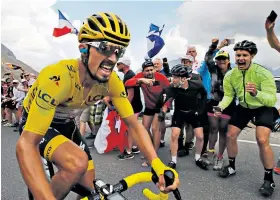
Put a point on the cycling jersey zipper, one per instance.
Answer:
(243, 72)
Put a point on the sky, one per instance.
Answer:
(27, 26)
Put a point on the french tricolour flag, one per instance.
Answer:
(64, 26)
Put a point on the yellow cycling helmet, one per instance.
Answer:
(105, 27)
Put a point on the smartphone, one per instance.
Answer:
(156, 83)
(272, 17)
(230, 41)
(217, 109)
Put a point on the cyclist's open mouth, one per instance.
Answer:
(106, 68)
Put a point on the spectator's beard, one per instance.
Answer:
(149, 76)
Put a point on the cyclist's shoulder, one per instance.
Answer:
(62, 67)
(261, 72)
(116, 85)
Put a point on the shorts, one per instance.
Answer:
(10, 105)
(227, 113)
(151, 112)
(85, 116)
(180, 118)
(56, 135)
(264, 116)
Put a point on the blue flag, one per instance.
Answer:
(154, 40)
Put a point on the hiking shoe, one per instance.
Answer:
(172, 165)
(267, 188)
(227, 171)
(125, 156)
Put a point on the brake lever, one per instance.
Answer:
(169, 179)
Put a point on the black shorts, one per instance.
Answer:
(228, 111)
(264, 116)
(9, 105)
(151, 112)
(180, 118)
(58, 134)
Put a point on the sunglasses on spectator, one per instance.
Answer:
(222, 58)
(107, 48)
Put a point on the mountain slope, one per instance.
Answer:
(7, 56)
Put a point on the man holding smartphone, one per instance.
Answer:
(271, 36)
(255, 88)
(152, 84)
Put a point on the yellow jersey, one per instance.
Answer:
(57, 96)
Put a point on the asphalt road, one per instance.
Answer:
(195, 183)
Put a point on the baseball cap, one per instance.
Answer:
(222, 54)
(147, 63)
(125, 61)
(15, 81)
(187, 57)
(3, 80)
(23, 80)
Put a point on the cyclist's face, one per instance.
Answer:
(243, 59)
(176, 81)
(149, 72)
(100, 65)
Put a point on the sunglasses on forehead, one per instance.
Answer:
(107, 48)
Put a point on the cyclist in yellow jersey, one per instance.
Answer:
(60, 93)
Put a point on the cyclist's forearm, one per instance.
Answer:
(30, 164)
(143, 141)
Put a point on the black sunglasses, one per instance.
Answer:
(107, 48)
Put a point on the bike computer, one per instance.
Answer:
(116, 196)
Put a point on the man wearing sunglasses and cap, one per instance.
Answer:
(60, 93)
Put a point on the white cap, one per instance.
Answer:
(187, 57)
(3, 79)
(125, 61)
(23, 80)
(15, 81)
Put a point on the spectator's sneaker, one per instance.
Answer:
(205, 154)
(267, 188)
(277, 168)
(125, 156)
(227, 171)
(135, 150)
(210, 160)
(172, 165)
(182, 153)
(201, 164)
(218, 165)
(8, 124)
(15, 125)
(162, 144)
(4, 121)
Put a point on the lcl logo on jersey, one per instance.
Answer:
(123, 94)
(45, 101)
(91, 99)
(55, 79)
